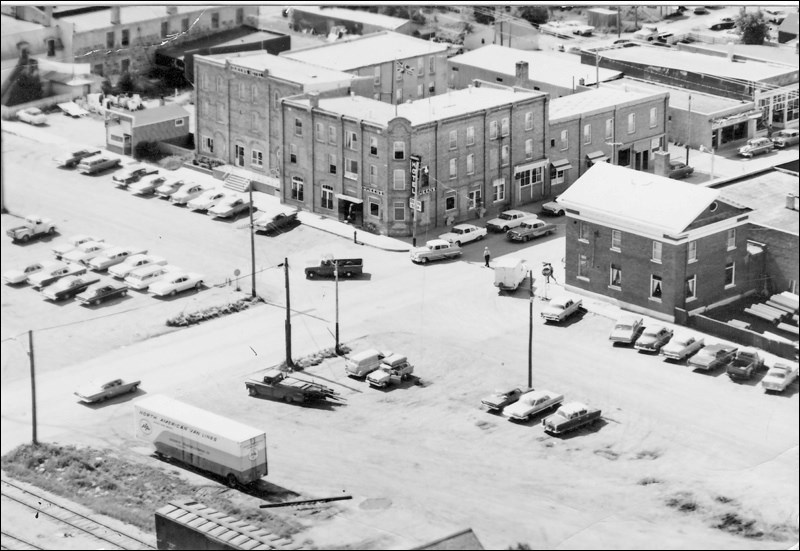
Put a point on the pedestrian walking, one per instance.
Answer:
(487, 255)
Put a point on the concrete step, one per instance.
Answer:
(236, 183)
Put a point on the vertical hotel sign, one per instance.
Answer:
(416, 164)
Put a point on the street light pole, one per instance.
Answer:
(35, 440)
(288, 331)
(252, 246)
(689, 130)
(338, 350)
(530, 332)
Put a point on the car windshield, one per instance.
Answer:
(505, 216)
(561, 413)
(624, 327)
(458, 230)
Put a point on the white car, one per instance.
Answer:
(177, 282)
(553, 208)
(134, 262)
(186, 193)
(168, 188)
(207, 200)
(53, 273)
(132, 174)
(228, 207)
(72, 243)
(509, 219)
(464, 233)
(15, 277)
(148, 185)
(682, 346)
(532, 403)
(84, 252)
(32, 115)
(113, 256)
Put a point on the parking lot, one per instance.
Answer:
(421, 460)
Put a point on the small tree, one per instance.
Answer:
(126, 83)
(753, 26)
(483, 14)
(534, 14)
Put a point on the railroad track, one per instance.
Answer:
(73, 519)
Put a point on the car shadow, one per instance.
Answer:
(788, 392)
(716, 372)
(109, 302)
(278, 231)
(120, 399)
(411, 382)
(755, 380)
(573, 319)
(176, 296)
(591, 428)
(535, 419)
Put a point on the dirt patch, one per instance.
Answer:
(484, 425)
(375, 503)
(648, 454)
(685, 502)
(608, 453)
(648, 480)
(735, 524)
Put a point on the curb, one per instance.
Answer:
(357, 242)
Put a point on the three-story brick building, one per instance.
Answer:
(651, 244)
(357, 158)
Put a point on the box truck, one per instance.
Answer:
(216, 444)
(509, 273)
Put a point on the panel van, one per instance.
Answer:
(363, 363)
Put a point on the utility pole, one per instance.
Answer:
(33, 386)
(252, 246)
(619, 26)
(289, 362)
(530, 331)
(596, 69)
(689, 130)
(338, 350)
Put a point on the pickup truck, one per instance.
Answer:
(393, 368)
(435, 249)
(560, 308)
(278, 385)
(34, 226)
(712, 357)
(101, 392)
(72, 158)
(569, 417)
(744, 364)
(779, 376)
(530, 229)
(647, 32)
(348, 267)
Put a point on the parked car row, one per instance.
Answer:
(379, 369)
(739, 363)
(522, 404)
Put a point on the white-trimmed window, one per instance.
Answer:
(653, 117)
(731, 239)
(374, 207)
(377, 76)
(583, 267)
(474, 198)
(504, 127)
(504, 155)
(528, 149)
(529, 120)
(609, 129)
(276, 100)
(326, 197)
(332, 163)
(292, 153)
(332, 135)
(373, 175)
(616, 240)
(453, 139)
(298, 127)
(399, 179)
(421, 90)
(351, 141)
(471, 163)
(453, 169)
(398, 95)
(615, 276)
(319, 132)
(691, 287)
(208, 144)
(492, 159)
(631, 123)
(470, 135)
(564, 140)
(297, 188)
(205, 80)
(656, 289)
(587, 134)
(257, 158)
(432, 65)
(432, 88)
(499, 190)
(450, 202)
(420, 66)
(493, 130)
(399, 151)
(583, 232)
(373, 146)
(399, 211)
(692, 251)
(243, 91)
(730, 274)
(657, 247)
(179, 122)
(350, 168)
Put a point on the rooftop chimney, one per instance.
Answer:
(115, 15)
(522, 71)
(48, 16)
(313, 99)
(172, 10)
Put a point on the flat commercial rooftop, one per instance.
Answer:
(679, 97)
(365, 51)
(128, 14)
(376, 19)
(451, 104)
(766, 195)
(605, 97)
(283, 68)
(11, 25)
(561, 69)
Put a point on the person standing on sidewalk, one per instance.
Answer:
(487, 255)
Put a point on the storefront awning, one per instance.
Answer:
(597, 157)
(561, 164)
(343, 197)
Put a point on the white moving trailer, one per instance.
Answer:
(205, 440)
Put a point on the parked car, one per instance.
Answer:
(785, 138)
(102, 292)
(133, 174)
(531, 229)
(461, 234)
(679, 170)
(84, 252)
(53, 273)
(177, 282)
(98, 163)
(169, 188)
(723, 24)
(532, 403)
(275, 219)
(33, 226)
(229, 207)
(627, 329)
(756, 146)
(570, 416)
(114, 256)
(141, 278)
(435, 249)
(561, 308)
(553, 208)
(134, 262)
(99, 392)
(775, 16)
(779, 376)
(713, 356)
(508, 219)
(700, 10)
(207, 199)
(68, 287)
(147, 186)
(653, 338)
(72, 243)
(186, 193)
(647, 33)
(502, 398)
(32, 115)
(72, 158)
(394, 368)
(682, 346)
(15, 277)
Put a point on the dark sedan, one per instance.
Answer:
(679, 170)
(103, 292)
(68, 287)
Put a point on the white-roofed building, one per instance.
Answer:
(656, 246)
(323, 19)
(403, 68)
(360, 159)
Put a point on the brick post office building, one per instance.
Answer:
(356, 158)
(651, 244)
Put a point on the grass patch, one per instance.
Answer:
(608, 453)
(648, 454)
(192, 318)
(648, 480)
(125, 490)
(684, 502)
(316, 358)
(733, 523)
